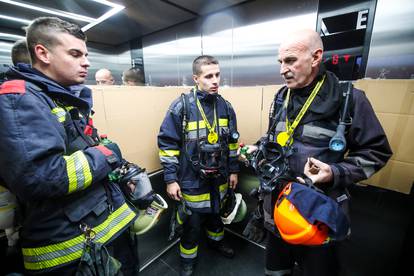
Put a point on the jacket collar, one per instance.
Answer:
(77, 95)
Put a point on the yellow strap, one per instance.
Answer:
(211, 128)
(290, 129)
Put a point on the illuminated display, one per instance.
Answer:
(345, 27)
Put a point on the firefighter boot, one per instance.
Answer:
(187, 269)
(222, 247)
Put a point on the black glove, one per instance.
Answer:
(178, 217)
(255, 230)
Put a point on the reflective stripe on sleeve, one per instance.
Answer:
(78, 171)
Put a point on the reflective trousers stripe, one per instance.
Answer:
(78, 171)
(188, 253)
(60, 253)
(215, 236)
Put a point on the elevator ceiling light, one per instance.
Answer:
(50, 11)
(12, 36)
(115, 8)
(21, 20)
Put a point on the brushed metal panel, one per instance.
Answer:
(256, 49)
(391, 54)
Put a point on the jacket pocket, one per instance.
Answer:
(88, 202)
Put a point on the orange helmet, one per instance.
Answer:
(293, 227)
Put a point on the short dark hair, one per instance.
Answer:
(135, 75)
(19, 52)
(43, 31)
(203, 60)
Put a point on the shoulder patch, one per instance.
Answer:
(13, 87)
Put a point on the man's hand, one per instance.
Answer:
(174, 191)
(318, 171)
(250, 149)
(233, 180)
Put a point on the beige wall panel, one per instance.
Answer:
(397, 176)
(99, 119)
(133, 116)
(268, 96)
(246, 102)
(389, 96)
(400, 133)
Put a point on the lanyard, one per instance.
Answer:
(212, 136)
(286, 136)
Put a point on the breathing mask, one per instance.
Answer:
(209, 159)
(271, 164)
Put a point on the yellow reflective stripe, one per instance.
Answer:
(223, 187)
(188, 251)
(54, 262)
(170, 153)
(193, 125)
(60, 113)
(86, 171)
(201, 124)
(196, 198)
(71, 171)
(104, 232)
(78, 171)
(213, 234)
(223, 122)
(178, 218)
(233, 146)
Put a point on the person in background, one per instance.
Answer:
(133, 77)
(315, 93)
(73, 219)
(104, 77)
(198, 154)
(20, 53)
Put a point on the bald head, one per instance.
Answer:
(104, 77)
(306, 37)
(300, 55)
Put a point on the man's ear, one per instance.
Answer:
(195, 79)
(42, 53)
(317, 57)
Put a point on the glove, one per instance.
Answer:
(255, 230)
(178, 217)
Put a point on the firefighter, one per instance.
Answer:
(52, 161)
(198, 147)
(332, 149)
